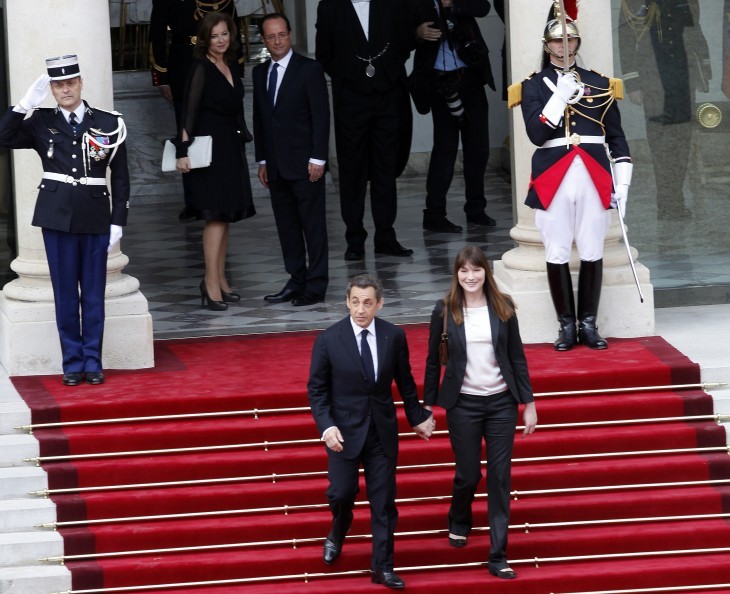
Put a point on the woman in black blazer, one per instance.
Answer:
(484, 381)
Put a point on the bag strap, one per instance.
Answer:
(444, 334)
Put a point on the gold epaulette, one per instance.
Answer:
(617, 87)
(514, 92)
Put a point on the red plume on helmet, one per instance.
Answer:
(571, 8)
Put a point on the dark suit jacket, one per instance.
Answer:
(297, 128)
(508, 349)
(465, 12)
(340, 394)
(66, 207)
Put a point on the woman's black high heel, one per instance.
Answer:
(230, 297)
(206, 301)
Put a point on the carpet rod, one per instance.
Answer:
(306, 577)
(273, 477)
(701, 587)
(256, 412)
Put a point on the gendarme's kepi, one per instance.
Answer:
(63, 67)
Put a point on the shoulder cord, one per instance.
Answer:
(87, 139)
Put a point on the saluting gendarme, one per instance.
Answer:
(76, 145)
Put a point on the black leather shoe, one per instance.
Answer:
(330, 552)
(282, 296)
(389, 579)
(481, 219)
(354, 252)
(230, 297)
(393, 249)
(455, 542)
(307, 299)
(95, 378)
(505, 572)
(72, 379)
(440, 225)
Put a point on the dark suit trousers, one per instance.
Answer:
(301, 221)
(78, 261)
(474, 131)
(380, 482)
(473, 419)
(367, 133)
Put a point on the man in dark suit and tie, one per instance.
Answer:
(291, 132)
(77, 145)
(363, 46)
(354, 364)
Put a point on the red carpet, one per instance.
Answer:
(612, 487)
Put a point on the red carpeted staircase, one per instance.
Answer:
(616, 490)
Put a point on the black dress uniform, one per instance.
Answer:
(73, 209)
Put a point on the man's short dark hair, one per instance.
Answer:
(271, 16)
(364, 281)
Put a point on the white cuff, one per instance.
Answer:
(319, 162)
(622, 173)
(325, 432)
(554, 110)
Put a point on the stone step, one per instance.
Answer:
(35, 579)
(15, 448)
(8, 393)
(27, 548)
(12, 415)
(22, 515)
(17, 482)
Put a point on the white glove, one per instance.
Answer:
(568, 86)
(36, 95)
(115, 234)
(622, 180)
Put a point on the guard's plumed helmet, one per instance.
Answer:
(554, 27)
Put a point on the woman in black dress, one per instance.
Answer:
(220, 193)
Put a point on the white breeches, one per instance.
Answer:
(576, 213)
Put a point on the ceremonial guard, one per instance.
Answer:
(171, 57)
(571, 115)
(76, 144)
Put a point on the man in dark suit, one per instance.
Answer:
(291, 131)
(76, 144)
(452, 56)
(173, 33)
(363, 46)
(354, 364)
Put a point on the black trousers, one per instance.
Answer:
(474, 133)
(367, 134)
(494, 420)
(301, 222)
(343, 474)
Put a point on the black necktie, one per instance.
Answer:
(273, 77)
(367, 356)
(72, 121)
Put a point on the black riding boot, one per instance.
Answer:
(589, 294)
(561, 290)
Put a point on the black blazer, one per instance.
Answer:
(297, 128)
(508, 349)
(340, 40)
(67, 207)
(341, 395)
(465, 13)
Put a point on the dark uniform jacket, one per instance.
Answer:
(508, 350)
(297, 128)
(465, 13)
(64, 206)
(170, 65)
(596, 114)
(341, 395)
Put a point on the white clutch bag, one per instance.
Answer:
(200, 153)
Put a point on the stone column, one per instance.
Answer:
(521, 272)
(29, 341)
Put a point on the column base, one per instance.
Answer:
(29, 343)
(620, 314)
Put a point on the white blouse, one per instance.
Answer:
(482, 376)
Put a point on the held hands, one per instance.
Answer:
(426, 429)
(36, 94)
(333, 439)
(115, 234)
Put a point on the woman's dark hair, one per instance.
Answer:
(502, 304)
(209, 21)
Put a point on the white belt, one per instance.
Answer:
(69, 179)
(574, 139)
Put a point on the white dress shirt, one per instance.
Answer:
(362, 8)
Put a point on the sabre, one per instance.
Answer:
(564, 24)
(623, 232)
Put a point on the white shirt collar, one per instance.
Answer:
(79, 111)
(357, 329)
(284, 62)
